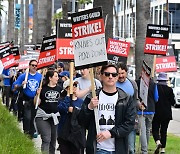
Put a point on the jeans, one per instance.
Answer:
(145, 128)
(48, 132)
(132, 141)
(101, 151)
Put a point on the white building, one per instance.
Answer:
(158, 16)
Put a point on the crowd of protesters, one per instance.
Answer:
(64, 117)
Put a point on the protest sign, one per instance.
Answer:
(166, 64)
(118, 50)
(156, 39)
(144, 82)
(7, 58)
(4, 44)
(29, 49)
(89, 38)
(48, 52)
(15, 53)
(64, 41)
(170, 50)
(23, 65)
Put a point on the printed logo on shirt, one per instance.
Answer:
(52, 95)
(33, 84)
(106, 107)
(104, 121)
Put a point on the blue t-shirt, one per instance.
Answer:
(32, 85)
(7, 81)
(14, 83)
(126, 86)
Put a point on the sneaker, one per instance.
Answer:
(157, 148)
(162, 151)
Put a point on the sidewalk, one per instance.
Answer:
(37, 141)
(173, 127)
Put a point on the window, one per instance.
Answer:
(174, 8)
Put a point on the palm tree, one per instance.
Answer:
(35, 22)
(65, 9)
(10, 28)
(49, 17)
(16, 29)
(22, 27)
(142, 19)
(107, 7)
(44, 18)
(26, 28)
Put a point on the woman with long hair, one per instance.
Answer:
(47, 114)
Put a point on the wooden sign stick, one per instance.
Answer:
(40, 86)
(26, 76)
(154, 66)
(71, 77)
(94, 95)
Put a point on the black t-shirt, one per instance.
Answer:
(49, 99)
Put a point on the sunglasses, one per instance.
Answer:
(33, 65)
(107, 74)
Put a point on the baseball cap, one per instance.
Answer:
(60, 64)
(67, 83)
(64, 73)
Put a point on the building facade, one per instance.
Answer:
(126, 12)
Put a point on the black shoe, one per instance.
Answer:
(157, 149)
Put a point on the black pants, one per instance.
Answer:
(159, 130)
(20, 108)
(29, 113)
(13, 105)
(6, 94)
(67, 147)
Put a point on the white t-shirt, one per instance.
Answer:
(106, 114)
(85, 83)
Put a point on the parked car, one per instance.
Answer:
(175, 84)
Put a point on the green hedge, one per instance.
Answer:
(12, 140)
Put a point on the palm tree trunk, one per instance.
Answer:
(22, 27)
(16, 29)
(26, 30)
(35, 22)
(49, 19)
(10, 30)
(65, 9)
(107, 7)
(142, 19)
(42, 20)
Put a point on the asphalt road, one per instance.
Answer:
(174, 126)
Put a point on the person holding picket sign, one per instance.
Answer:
(30, 81)
(71, 136)
(111, 102)
(47, 113)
